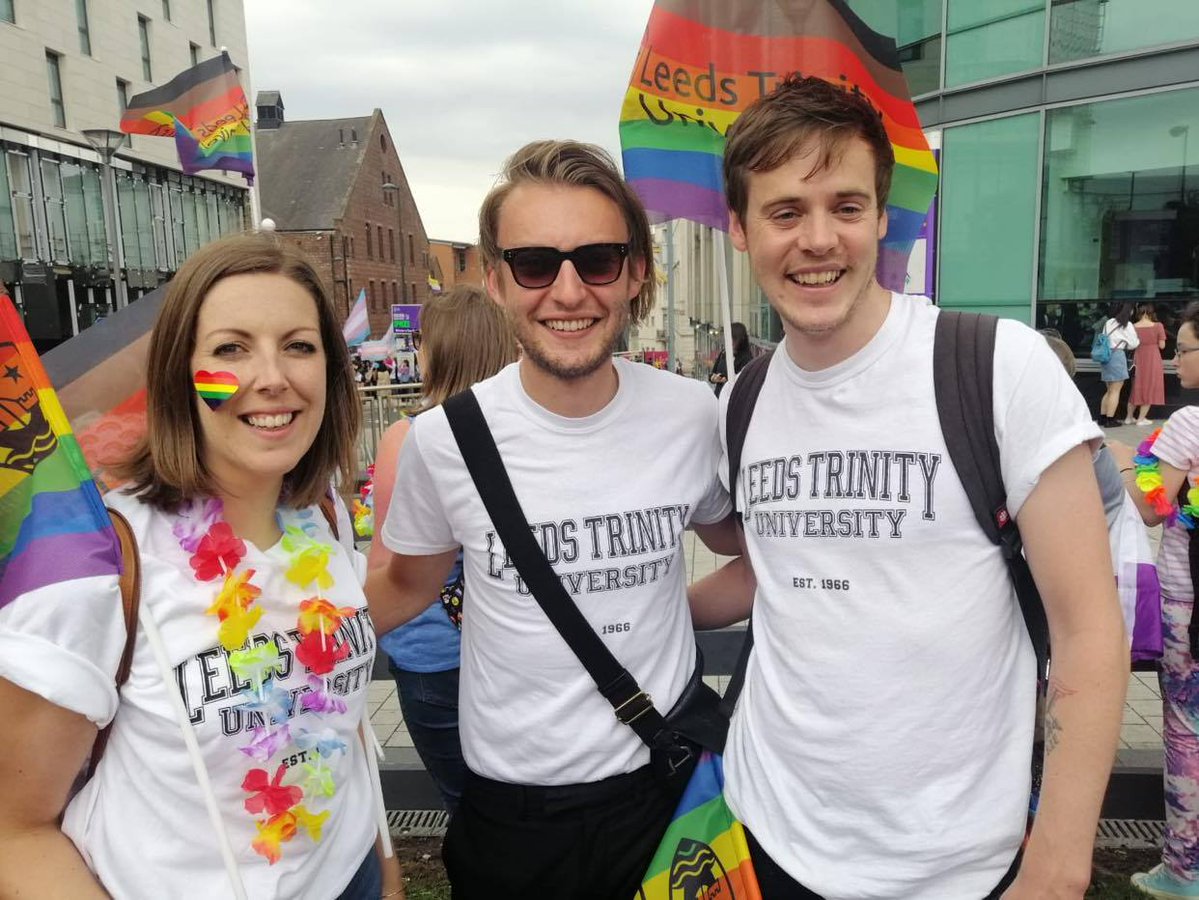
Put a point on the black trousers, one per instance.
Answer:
(589, 841)
(778, 885)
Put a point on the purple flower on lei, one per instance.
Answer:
(266, 742)
(193, 520)
(319, 700)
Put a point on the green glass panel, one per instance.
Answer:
(1081, 29)
(8, 234)
(127, 205)
(916, 27)
(72, 189)
(988, 212)
(1120, 207)
(93, 202)
(993, 38)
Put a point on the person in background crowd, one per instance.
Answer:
(1172, 465)
(1148, 377)
(742, 354)
(466, 339)
(1123, 337)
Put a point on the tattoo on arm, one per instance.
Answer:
(1053, 728)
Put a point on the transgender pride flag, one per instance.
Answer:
(702, 62)
(357, 327)
(53, 524)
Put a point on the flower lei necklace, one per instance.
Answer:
(1149, 480)
(216, 552)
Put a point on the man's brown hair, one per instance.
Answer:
(573, 164)
(774, 128)
(167, 468)
(465, 337)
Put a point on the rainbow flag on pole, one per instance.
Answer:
(205, 109)
(704, 853)
(702, 62)
(53, 524)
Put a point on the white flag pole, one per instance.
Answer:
(719, 248)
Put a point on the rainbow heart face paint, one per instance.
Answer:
(215, 388)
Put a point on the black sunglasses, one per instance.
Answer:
(537, 267)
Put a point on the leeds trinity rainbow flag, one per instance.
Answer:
(704, 854)
(702, 62)
(53, 524)
(205, 110)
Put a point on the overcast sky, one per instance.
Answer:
(461, 83)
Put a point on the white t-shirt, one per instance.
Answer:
(608, 497)
(881, 746)
(1178, 446)
(141, 823)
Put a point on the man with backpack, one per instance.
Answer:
(881, 745)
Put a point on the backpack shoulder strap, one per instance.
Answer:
(742, 400)
(131, 588)
(963, 373)
(329, 511)
(743, 397)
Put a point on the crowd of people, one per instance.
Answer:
(881, 745)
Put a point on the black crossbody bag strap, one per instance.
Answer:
(743, 397)
(633, 707)
(963, 371)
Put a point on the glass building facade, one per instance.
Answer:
(1068, 139)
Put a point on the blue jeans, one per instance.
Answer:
(429, 702)
(367, 883)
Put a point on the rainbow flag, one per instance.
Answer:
(704, 854)
(205, 110)
(702, 62)
(53, 524)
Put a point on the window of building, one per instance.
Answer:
(989, 40)
(988, 207)
(85, 214)
(460, 259)
(380, 234)
(7, 13)
(20, 183)
(194, 52)
(166, 10)
(85, 36)
(1119, 211)
(370, 293)
(143, 36)
(383, 142)
(916, 27)
(211, 23)
(412, 291)
(1080, 29)
(351, 248)
(54, 72)
(391, 243)
(411, 251)
(8, 234)
(395, 292)
(56, 210)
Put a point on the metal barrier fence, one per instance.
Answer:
(381, 406)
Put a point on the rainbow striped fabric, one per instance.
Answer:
(704, 854)
(204, 108)
(702, 62)
(215, 388)
(53, 524)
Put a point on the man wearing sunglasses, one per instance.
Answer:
(881, 745)
(611, 462)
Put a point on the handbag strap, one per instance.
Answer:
(633, 707)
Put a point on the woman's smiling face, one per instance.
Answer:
(264, 329)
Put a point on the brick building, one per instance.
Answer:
(336, 188)
(460, 262)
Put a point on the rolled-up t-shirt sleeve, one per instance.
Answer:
(416, 522)
(64, 641)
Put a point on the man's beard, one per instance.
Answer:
(536, 353)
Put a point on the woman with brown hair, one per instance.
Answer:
(236, 764)
(1148, 375)
(465, 338)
